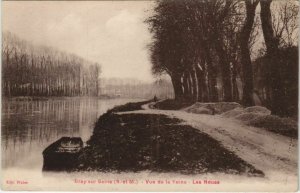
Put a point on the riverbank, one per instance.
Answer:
(176, 141)
(135, 142)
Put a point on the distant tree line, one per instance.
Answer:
(125, 88)
(209, 47)
(29, 70)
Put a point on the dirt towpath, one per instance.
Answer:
(274, 154)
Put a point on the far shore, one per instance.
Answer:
(45, 98)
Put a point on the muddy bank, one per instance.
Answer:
(135, 142)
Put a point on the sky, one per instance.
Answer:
(110, 33)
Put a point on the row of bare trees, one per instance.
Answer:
(207, 47)
(29, 70)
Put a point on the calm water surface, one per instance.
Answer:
(28, 127)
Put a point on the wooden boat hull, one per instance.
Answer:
(63, 154)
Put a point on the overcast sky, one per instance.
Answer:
(110, 33)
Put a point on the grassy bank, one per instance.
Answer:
(135, 142)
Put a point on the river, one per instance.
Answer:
(28, 127)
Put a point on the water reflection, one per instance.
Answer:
(30, 126)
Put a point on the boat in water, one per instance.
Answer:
(63, 154)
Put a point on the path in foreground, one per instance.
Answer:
(275, 155)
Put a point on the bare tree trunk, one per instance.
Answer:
(190, 83)
(195, 86)
(225, 69)
(177, 85)
(245, 53)
(272, 43)
(212, 84)
(185, 86)
(201, 83)
(235, 91)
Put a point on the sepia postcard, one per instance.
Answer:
(157, 95)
